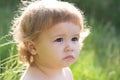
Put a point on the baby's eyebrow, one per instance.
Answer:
(77, 34)
(62, 35)
(58, 35)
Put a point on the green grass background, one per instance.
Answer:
(99, 59)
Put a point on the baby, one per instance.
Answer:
(47, 34)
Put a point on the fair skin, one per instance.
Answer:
(56, 48)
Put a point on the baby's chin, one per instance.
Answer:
(69, 63)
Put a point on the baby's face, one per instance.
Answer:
(59, 46)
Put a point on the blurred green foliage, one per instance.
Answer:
(9, 3)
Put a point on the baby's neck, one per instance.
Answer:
(48, 73)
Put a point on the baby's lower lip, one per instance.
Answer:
(69, 57)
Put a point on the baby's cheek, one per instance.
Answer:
(78, 47)
(78, 51)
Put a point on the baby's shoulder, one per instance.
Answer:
(25, 76)
(28, 75)
(68, 73)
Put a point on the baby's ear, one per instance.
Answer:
(30, 47)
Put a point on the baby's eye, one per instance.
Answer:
(59, 40)
(75, 39)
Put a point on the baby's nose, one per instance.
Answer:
(69, 47)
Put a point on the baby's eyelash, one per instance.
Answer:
(59, 40)
(75, 39)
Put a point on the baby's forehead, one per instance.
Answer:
(63, 28)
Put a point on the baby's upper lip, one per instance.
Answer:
(69, 57)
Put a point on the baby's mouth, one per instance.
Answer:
(69, 57)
